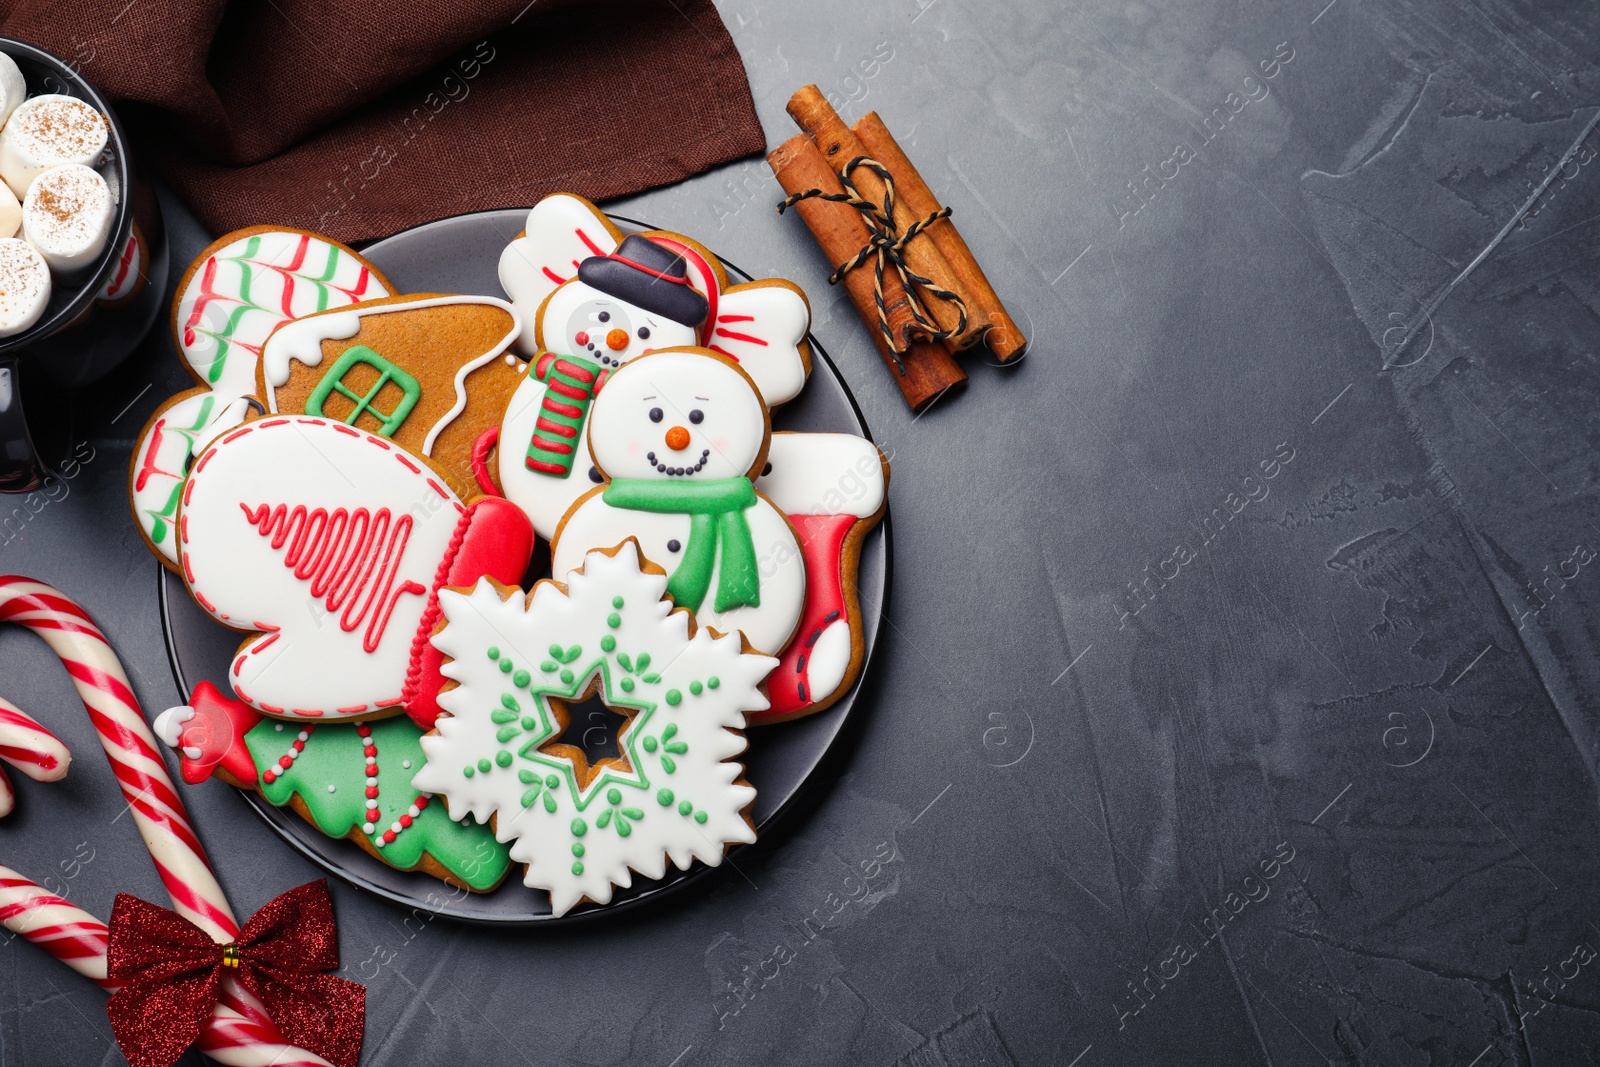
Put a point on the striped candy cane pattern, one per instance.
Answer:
(30, 748)
(239, 1031)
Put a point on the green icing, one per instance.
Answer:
(333, 756)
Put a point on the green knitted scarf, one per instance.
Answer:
(716, 518)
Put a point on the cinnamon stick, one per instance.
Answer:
(930, 370)
(813, 114)
(1004, 338)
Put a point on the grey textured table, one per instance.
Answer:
(1236, 702)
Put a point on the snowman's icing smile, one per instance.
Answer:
(686, 472)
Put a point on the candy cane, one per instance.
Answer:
(239, 1031)
(30, 748)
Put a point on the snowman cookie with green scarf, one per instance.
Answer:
(679, 435)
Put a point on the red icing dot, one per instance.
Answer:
(363, 729)
(405, 820)
(422, 802)
(369, 751)
(581, 338)
(372, 770)
(285, 762)
(372, 792)
(299, 746)
(269, 776)
(388, 836)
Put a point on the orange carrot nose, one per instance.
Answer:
(617, 340)
(677, 438)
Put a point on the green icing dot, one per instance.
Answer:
(616, 602)
(527, 777)
(665, 798)
(494, 652)
(484, 765)
(684, 807)
(627, 685)
(613, 796)
(566, 677)
(674, 697)
(469, 770)
(530, 796)
(521, 679)
(608, 643)
(644, 661)
(604, 820)
(506, 733)
(549, 802)
(669, 764)
(577, 848)
(613, 620)
(579, 827)
(623, 827)
(503, 758)
(529, 722)
(505, 666)
(549, 667)
(713, 681)
(650, 744)
(502, 715)
(509, 702)
(551, 780)
(577, 868)
(652, 677)
(700, 817)
(695, 688)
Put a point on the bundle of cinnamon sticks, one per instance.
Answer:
(918, 328)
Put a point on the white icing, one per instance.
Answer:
(169, 724)
(733, 430)
(824, 474)
(220, 333)
(162, 455)
(777, 317)
(574, 621)
(675, 387)
(10, 207)
(302, 339)
(310, 663)
(829, 659)
(553, 241)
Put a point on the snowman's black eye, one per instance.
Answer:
(655, 414)
(604, 316)
(697, 416)
(644, 333)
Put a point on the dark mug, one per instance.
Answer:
(95, 318)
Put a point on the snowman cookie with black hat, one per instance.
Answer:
(598, 299)
(678, 437)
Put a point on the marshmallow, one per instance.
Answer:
(10, 209)
(13, 90)
(67, 216)
(46, 132)
(24, 286)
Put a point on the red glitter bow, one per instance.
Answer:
(171, 971)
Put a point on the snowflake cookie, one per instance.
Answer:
(521, 667)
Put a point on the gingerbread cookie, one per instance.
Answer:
(834, 489)
(234, 294)
(678, 437)
(349, 780)
(331, 544)
(429, 371)
(520, 665)
(596, 300)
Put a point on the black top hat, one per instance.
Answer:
(647, 275)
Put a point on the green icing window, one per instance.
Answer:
(334, 382)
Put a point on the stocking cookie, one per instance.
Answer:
(833, 487)
(332, 545)
(678, 436)
(430, 372)
(349, 780)
(596, 300)
(235, 293)
(522, 665)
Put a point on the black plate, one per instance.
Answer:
(461, 255)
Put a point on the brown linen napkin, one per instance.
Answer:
(359, 120)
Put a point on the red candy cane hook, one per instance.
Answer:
(30, 748)
(239, 1030)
